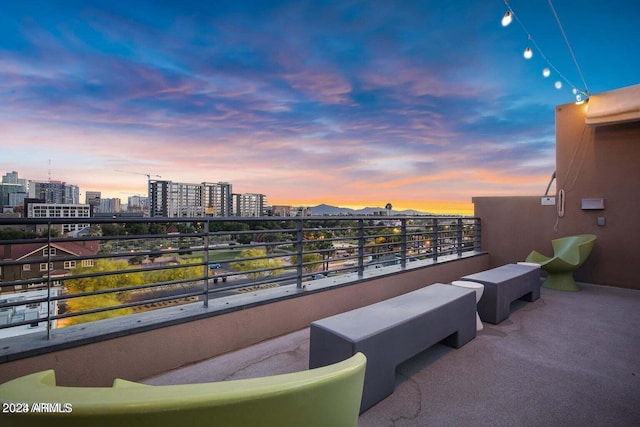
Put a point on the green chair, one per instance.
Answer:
(569, 253)
(326, 396)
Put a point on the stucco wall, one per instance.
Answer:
(601, 162)
(513, 226)
(148, 353)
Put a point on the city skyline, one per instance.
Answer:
(423, 105)
(90, 197)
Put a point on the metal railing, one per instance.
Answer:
(119, 266)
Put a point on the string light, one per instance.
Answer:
(580, 95)
(506, 19)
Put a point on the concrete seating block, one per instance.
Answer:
(502, 286)
(392, 331)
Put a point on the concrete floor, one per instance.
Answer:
(568, 359)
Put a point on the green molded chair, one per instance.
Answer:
(326, 396)
(569, 253)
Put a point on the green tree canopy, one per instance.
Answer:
(310, 262)
(116, 274)
(262, 262)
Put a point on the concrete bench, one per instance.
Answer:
(392, 331)
(502, 286)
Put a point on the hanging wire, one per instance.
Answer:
(537, 47)
(566, 40)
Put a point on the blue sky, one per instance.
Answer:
(423, 104)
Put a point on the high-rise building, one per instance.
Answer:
(13, 190)
(92, 198)
(248, 204)
(281, 210)
(217, 198)
(12, 178)
(57, 192)
(174, 199)
(109, 205)
(137, 204)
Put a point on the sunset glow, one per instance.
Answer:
(353, 104)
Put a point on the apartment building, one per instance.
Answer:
(249, 204)
(92, 198)
(56, 192)
(13, 190)
(52, 210)
(137, 204)
(175, 199)
(109, 205)
(218, 198)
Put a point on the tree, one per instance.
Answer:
(249, 265)
(96, 301)
(156, 228)
(310, 262)
(174, 274)
(121, 277)
(116, 274)
(95, 230)
(137, 228)
(111, 230)
(11, 234)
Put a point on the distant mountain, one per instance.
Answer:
(325, 209)
(330, 210)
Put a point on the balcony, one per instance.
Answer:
(141, 275)
(564, 359)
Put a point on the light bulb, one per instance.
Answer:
(546, 72)
(528, 53)
(558, 85)
(575, 91)
(578, 98)
(506, 19)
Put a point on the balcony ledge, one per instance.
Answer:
(35, 344)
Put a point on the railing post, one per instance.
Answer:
(459, 239)
(299, 252)
(206, 265)
(478, 235)
(360, 248)
(49, 271)
(403, 243)
(436, 248)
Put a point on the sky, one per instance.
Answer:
(421, 104)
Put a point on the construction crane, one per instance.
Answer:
(148, 175)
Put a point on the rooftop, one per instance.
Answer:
(565, 359)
